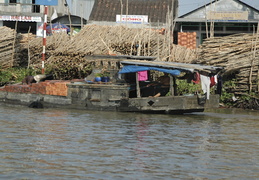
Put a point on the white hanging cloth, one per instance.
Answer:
(205, 85)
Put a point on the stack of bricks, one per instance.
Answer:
(57, 88)
(187, 39)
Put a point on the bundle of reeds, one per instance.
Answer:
(35, 47)
(238, 54)
(117, 40)
(9, 47)
(68, 54)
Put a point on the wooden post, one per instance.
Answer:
(171, 85)
(149, 35)
(70, 23)
(137, 83)
(206, 23)
(175, 86)
(158, 44)
(253, 58)
(14, 39)
(120, 34)
(169, 33)
(82, 15)
(28, 46)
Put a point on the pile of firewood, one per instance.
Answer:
(115, 40)
(120, 40)
(67, 55)
(9, 46)
(238, 54)
(35, 47)
(24, 46)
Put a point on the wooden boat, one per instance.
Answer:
(125, 92)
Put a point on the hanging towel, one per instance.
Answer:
(212, 81)
(205, 85)
(142, 76)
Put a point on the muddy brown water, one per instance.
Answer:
(72, 144)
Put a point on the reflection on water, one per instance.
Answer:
(70, 144)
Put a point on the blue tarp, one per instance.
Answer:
(132, 69)
(57, 27)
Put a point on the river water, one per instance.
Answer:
(72, 144)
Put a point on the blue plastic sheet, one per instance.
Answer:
(132, 69)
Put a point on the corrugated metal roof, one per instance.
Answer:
(174, 65)
(186, 7)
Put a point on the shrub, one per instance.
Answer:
(14, 75)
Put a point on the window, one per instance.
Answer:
(35, 8)
(241, 27)
(190, 26)
(12, 1)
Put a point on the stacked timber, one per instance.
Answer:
(66, 55)
(68, 59)
(24, 48)
(35, 48)
(238, 54)
(9, 47)
(183, 54)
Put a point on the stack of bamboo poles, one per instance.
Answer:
(9, 47)
(24, 48)
(35, 47)
(238, 54)
(183, 54)
(67, 54)
(25, 38)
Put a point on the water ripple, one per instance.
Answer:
(69, 144)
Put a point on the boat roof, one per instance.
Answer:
(120, 57)
(174, 65)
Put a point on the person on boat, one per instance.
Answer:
(161, 85)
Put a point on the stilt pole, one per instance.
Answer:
(44, 38)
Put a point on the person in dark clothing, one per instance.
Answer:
(161, 86)
(28, 80)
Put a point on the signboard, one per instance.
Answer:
(20, 18)
(228, 16)
(47, 2)
(133, 19)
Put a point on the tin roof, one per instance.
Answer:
(187, 6)
(174, 65)
(216, 1)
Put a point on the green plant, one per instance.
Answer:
(183, 87)
(15, 75)
(226, 98)
(98, 75)
(227, 92)
(105, 74)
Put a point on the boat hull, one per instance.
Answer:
(168, 104)
(109, 98)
